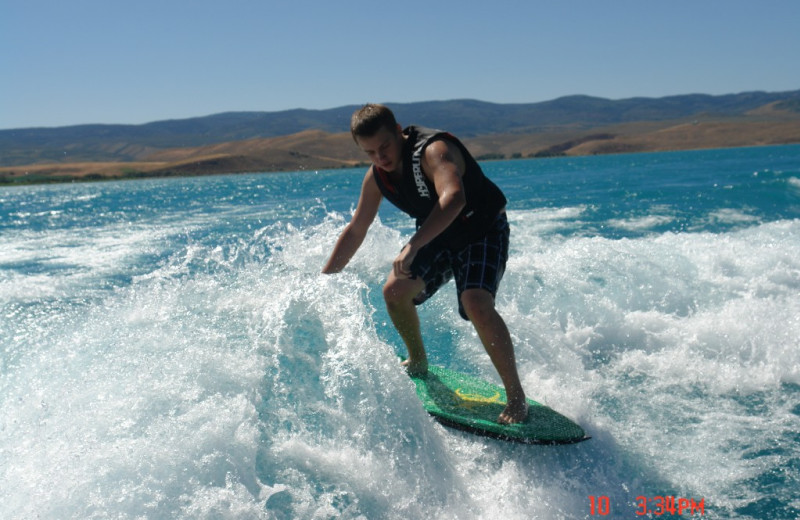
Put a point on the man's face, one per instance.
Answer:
(384, 148)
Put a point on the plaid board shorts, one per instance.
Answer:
(479, 265)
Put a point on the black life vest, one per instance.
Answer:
(416, 195)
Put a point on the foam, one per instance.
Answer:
(731, 216)
(677, 329)
(642, 223)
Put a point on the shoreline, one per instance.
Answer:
(314, 151)
(37, 180)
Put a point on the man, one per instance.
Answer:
(462, 232)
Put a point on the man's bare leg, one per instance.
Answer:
(492, 330)
(399, 295)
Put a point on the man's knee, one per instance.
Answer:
(390, 292)
(478, 304)
(401, 290)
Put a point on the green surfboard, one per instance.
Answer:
(471, 404)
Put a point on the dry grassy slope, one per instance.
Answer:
(764, 126)
(311, 149)
(306, 150)
(312, 143)
(688, 136)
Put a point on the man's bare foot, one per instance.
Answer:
(515, 412)
(415, 368)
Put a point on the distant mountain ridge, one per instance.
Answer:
(466, 118)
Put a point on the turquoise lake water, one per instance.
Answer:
(168, 348)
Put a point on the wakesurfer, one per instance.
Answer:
(462, 233)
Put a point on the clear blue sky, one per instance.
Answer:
(108, 61)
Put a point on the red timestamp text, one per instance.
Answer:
(655, 506)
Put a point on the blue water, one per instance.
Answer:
(169, 350)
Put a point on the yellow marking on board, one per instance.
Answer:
(470, 400)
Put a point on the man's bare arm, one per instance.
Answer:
(353, 234)
(444, 166)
